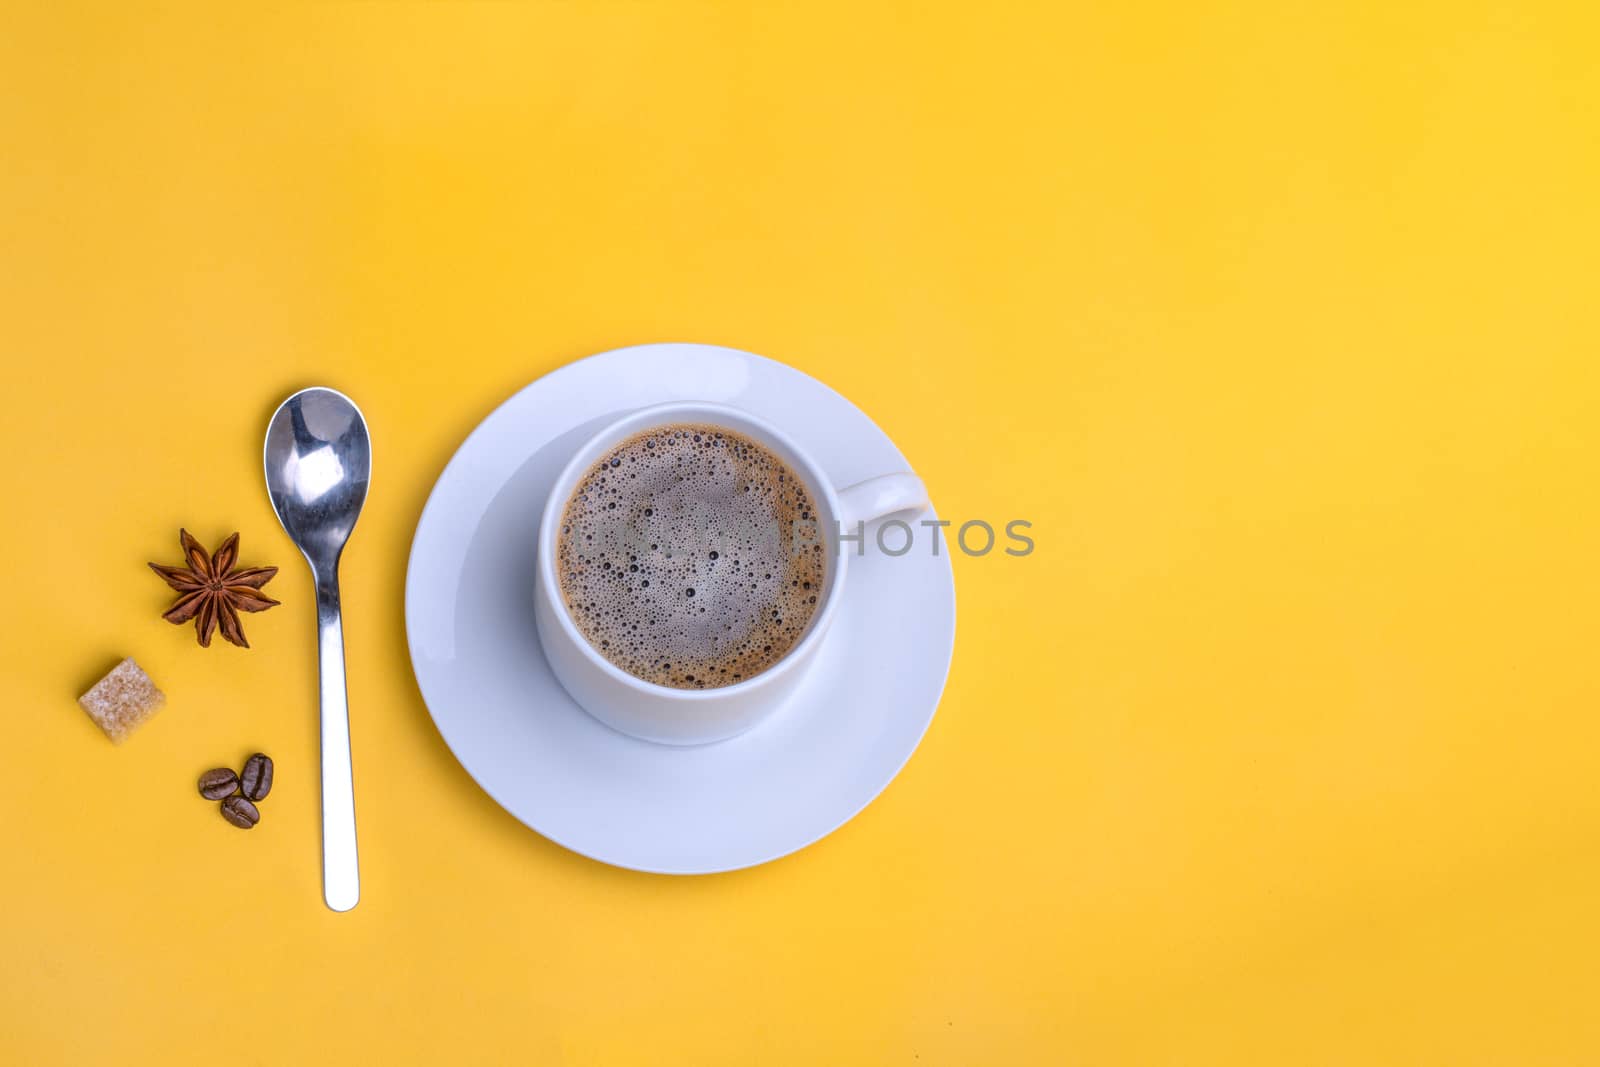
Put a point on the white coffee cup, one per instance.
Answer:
(696, 716)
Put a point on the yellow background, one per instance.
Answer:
(1280, 325)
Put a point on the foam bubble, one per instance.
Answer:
(677, 561)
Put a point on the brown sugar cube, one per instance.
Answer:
(120, 702)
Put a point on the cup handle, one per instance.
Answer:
(880, 496)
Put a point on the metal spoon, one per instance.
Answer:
(319, 460)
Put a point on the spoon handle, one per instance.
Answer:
(341, 880)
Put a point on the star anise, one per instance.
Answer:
(213, 592)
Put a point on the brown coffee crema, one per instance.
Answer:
(678, 556)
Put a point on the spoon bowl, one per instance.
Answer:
(318, 460)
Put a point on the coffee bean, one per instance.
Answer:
(255, 781)
(217, 783)
(240, 812)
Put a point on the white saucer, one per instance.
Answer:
(792, 779)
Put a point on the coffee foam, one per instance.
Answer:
(677, 556)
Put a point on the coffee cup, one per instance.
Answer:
(668, 714)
